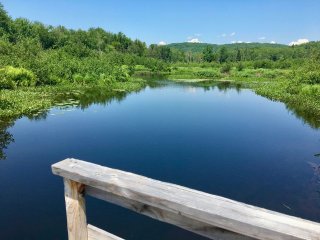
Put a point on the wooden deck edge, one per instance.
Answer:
(95, 233)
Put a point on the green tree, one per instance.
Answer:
(239, 55)
(5, 21)
(223, 54)
(208, 55)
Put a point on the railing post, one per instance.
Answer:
(76, 210)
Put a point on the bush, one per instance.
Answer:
(240, 67)
(225, 68)
(311, 90)
(11, 78)
(262, 64)
(309, 73)
(312, 77)
(270, 74)
(122, 74)
(207, 74)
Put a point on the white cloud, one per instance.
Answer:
(299, 42)
(262, 38)
(232, 34)
(162, 43)
(194, 40)
(194, 37)
(236, 41)
(273, 42)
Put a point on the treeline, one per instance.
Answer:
(303, 61)
(245, 52)
(32, 53)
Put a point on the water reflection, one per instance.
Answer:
(103, 97)
(239, 146)
(63, 102)
(5, 137)
(308, 117)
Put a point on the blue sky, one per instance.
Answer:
(213, 21)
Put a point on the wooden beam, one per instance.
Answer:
(163, 215)
(95, 233)
(173, 200)
(75, 208)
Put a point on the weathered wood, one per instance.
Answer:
(174, 200)
(75, 208)
(179, 220)
(95, 233)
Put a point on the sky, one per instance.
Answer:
(170, 21)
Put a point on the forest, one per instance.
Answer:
(39, 62)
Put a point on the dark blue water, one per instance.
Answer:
(228, 142)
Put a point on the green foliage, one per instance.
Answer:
(308, 73)
(32, 100)
(262, 64)
(208, 54)
(281, 55)
(57, 55)
(223, 55)
(240, 67)
(32, 53)
(208, 74)
(226, 68)
(239, 56)
(311, 90)
(11, 77)
(4, 21)
(164, 53)
(122, 73)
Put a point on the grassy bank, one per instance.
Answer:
(276, 84)
(303, 100)
(32, 100)
(227, 73)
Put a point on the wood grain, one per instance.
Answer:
(95, 233)
(176, 202)
(75, 209)
(179, 220)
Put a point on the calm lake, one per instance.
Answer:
(222, 140)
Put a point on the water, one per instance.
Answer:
(225, 141)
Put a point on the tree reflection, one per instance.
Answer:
(71, 99)
(101, 96)
(5, 137)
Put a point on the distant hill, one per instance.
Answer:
(199, 47)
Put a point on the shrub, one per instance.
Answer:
(6, 83)
(262, 64)
(207, 74)
(312, 77)
(122, 73)
(270, 74)
(308, 73)
(240, 67)
(11, 78)
(311, 90)
(225, 68)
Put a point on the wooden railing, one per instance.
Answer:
(202, 213)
